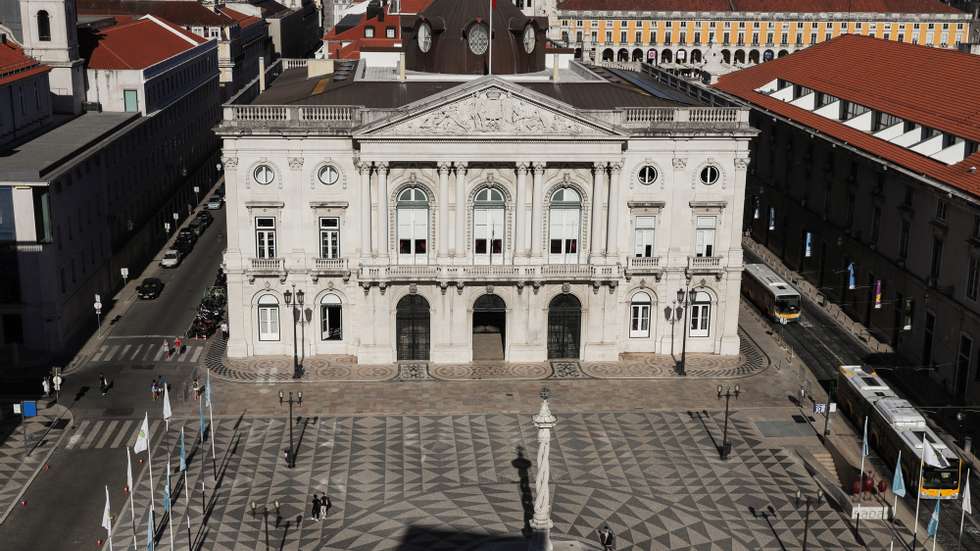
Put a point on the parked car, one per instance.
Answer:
(150, 288)
(187, 234)
(205, 217)
(171, 258)
(214, 203)
(185, 246)
(198, 227)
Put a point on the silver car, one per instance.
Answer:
(171, 259)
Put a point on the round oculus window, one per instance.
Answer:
(328, 175)
(425, 37)
(647, 175)
(529, 39)
(478, 39)
(710, 175)
(264, 175)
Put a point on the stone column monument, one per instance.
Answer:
(541, 523)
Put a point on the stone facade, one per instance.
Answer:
(555, 239)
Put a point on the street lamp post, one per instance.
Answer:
(683, 301)
(297, 309)
(197, 199)
(291, 460)
(672, 314)
(265, 515)
(166, 228)
(544, 421)
(814, 501)
(726, 392)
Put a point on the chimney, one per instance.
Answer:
(261, 74)
(401, 66)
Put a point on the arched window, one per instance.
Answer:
(43, 26)
(700, 314)
(640, 315)
(564, 216)
(488, 226)
(331, 318)
(268, 318)
(413, 226)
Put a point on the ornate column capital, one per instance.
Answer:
(229, 162)
(616, 166)
(600, 165)
(381, 166)
(444, 167)
(522, 167)
(295, 163)
(679, 163)
(460, 165)
(538, 166)
(741, 163)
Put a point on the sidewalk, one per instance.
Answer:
(18, 468)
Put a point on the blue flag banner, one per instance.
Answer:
(851, 283)
(200, 410)
(166, 491)
(808, 245)
(149, 531)
(207, 390)
(183, 453)
(934, 521)
(898, 481)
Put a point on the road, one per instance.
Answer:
(70, 496)
(823, 346)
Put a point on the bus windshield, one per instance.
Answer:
(940, 479)
(788, 305)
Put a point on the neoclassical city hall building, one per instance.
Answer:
(476, 195)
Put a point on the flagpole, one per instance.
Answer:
(214, 466)
(918, 495)
(864, 446)
(132, 507)
(898, 468)
(964, 506)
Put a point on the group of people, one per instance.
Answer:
(157, 386)
(320, 507)
(178, 346)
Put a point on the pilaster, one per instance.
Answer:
(382, 246)
(597, 241)
(520, 214)
(616, 207)
(443, 229)
(460, 215)
(364, 196)
(537, 209)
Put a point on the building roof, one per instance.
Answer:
(135, 44)
(933, 87)
(15, 65)
(294, 88)
(788, 6)
(181, 12)
(244, 21)
(29, 162)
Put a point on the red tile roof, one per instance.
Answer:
(243, 20)
(136, 44)
(182, 12)
(788, 6)
(14, 65)
(912, 82)
(413, 6)
(347, 43)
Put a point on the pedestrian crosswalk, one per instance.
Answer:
(147, 352)
(108, 433)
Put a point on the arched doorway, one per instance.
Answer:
(489, 328)
(412, 328)
(623, 55)
(564, 327)
(666, 56)
(696, 56)
(753, 56)
(680, 56)
(637, 55)
(782, 53)
(726, 57)
(739, 56)
(652, 56)
(607, 54)
(768, 55)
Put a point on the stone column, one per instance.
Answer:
(460, 220)
(364, 193)
(544, 421)
(615, 209)
(443, 227)
(382, 247)
(520, 215)
(598, 243)
(537, 209)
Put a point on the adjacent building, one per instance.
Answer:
(865, 181)
(721, 35)
(426, 210)
(295, 28)
(24, 87)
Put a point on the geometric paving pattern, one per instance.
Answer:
(268, 369)
(16, 467)
(452, 482)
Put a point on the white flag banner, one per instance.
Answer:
(143, 438)
(106, 519)
(931, 457)
(167, 412)
(967, 507)
(129, 472)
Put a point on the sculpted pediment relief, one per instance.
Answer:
(490, 112)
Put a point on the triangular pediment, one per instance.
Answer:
(489, 107)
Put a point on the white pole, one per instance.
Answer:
(153, 497)
(490, 40)
(132, 508)
(918, 493)
(959, 540)
(211, 415)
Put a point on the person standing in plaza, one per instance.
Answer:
(315, 512)
(46, 385)
(607, 539)
(103, 384)
(177, 345)
(224, 329)
(324, 506)
(155, 390)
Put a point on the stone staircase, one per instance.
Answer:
(826, 460)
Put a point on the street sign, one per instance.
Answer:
(29, 408)
(56, 380)
(124, 272)
(196, 189)
(17, 409)
(833, 407)
(98, 297)
(869, 513)
(819, 408)
(98, 307)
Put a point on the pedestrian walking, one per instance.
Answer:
(606, 538)
(325, 506)
(155, 390)
(197, 388)
(46, 385)
(166, 347)
(163, 384)
(178, 345)
(103, 384)
(315, 513)
(224, 329)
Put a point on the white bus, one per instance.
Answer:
(778, 299)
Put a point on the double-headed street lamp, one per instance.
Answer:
(291, 459)
(265, 513)
(683, 301)
(814, 501)
(726, 392)
(297, 309)
(673, 314)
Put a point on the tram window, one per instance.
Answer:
(788, 304)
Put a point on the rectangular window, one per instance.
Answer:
(268, 323)
(389, 32)
(937, 258)
(130, 101)
(940, 210)
(368, 32)
(903, 239)
(875, 225)
(704, 239)
(331, 319)
(609, 36)
(644, 243)
(622, 37)
(964, 359)
(639, 320)
(927, 335)
(265, 238)
(972, 275)
(329, 238)
(700, 320)
(639, 37)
